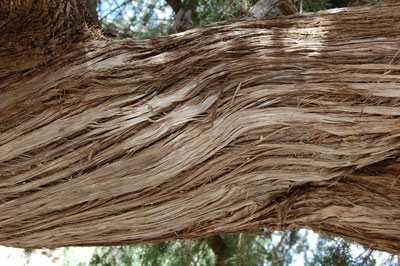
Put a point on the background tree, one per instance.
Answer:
(150, 18)
(242, 249)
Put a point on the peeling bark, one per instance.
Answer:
(263, 7)
(283, 123)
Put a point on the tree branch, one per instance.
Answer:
(33, 24)
(111, 141)
(263, 7)
(188, 244)
(175, 5)
(92, 5)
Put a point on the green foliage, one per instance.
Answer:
(228, 249)
(286, 245)
(247, 249)
(135, 19)
(28, 252)
(251, 248)
(164, 253)
(107, 256)
(149, 18)
(76, 256)
(333, 250)
(313, 5)
(239, 249)
(209, 11)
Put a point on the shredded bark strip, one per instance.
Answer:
(283, 123)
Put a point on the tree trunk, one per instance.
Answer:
(283, 123)
(219, 247)
(175, 5)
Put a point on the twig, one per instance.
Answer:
(188, 243)
(226, 10)
(236, 91)
(115, 9)
(240, 240)
(366, 257)
(362, 253)
(385, 72)
(279, 244)
(301, 6)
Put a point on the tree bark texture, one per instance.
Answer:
(263, 7)
(282, 123)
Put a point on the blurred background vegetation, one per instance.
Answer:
(292, 247)
(141, 19)
(151, 18)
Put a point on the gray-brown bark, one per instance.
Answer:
(283, 123)
(263, 7)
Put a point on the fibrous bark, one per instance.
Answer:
(263, 7)
(283, 123)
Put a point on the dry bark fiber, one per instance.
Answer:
(283, 123)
